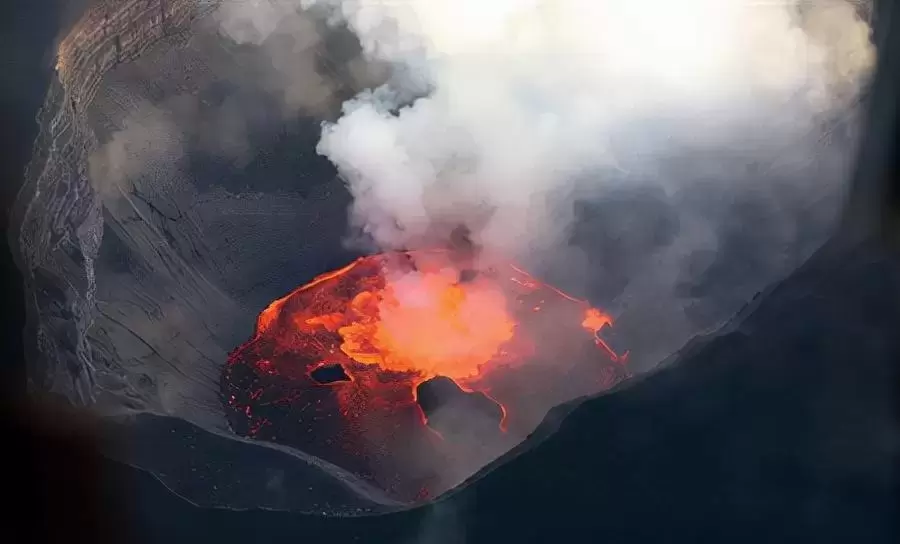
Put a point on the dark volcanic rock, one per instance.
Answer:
(330, 373)
(456, 413)
(218, 471)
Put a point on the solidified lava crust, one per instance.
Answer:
(336, 367)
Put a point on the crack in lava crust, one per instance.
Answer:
(335, 366)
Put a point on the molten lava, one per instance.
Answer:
(424, 322)
(335, 366)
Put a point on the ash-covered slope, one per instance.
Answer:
(228, 472)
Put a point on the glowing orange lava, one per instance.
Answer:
(385, 324)
(425, 322)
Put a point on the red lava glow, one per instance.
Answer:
(425, 323)
(383, 325)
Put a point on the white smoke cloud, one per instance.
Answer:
(519, 99)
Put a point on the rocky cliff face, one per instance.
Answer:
(57, 210)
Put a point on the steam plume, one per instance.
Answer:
(499, 109)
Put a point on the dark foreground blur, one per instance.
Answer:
(63, 491)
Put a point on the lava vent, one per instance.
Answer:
(413, 372)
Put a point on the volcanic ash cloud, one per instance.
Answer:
(497, 108)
